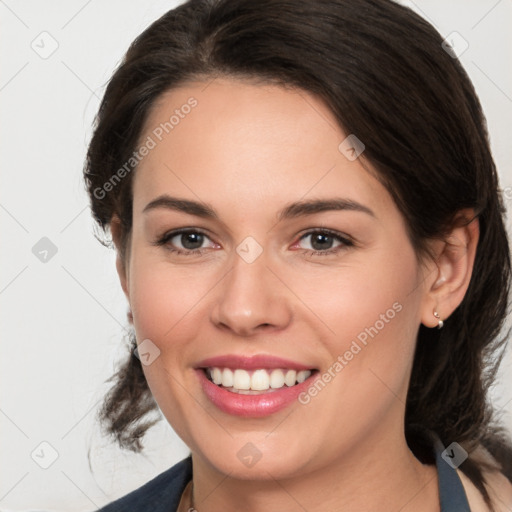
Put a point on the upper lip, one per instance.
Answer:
(259, 361)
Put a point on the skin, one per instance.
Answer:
(248, 150)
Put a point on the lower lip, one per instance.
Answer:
(252, 406)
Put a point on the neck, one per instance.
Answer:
(379, 474)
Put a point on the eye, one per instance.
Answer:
(192, 242)
(324, 242)
(185, 241)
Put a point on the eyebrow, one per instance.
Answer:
(293, 210)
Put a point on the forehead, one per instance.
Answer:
(231, 140)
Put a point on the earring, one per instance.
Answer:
(440, 323)
(130, 316)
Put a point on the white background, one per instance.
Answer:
(63, 320)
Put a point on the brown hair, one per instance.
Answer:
(383, 72)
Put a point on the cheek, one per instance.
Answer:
(370, 298)
(168, 309)
(372, 319)
(163, 299)
(369, 313)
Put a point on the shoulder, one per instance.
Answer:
(497, 484)
(163, 493)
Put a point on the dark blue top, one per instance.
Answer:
(163, 493)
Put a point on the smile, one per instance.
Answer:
(255, 381)
(253, 386)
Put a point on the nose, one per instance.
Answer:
(251, 298)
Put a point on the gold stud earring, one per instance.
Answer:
(440, 322)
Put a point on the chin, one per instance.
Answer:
(244, 457)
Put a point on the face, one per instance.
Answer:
(261, 252)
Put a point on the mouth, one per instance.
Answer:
(256, 382)
(253, 387)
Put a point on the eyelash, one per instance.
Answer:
(345, 241)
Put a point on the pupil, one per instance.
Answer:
(323, 240)
(192, 240)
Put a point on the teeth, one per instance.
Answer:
(277, 379)
(241, 379)
(260, 380)
(303, 375)
(244, 382)
(290, 378)
(217, 376)
(227, 378)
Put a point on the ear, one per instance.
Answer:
(449, 274)
(121, 255)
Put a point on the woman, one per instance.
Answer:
(310, 237)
